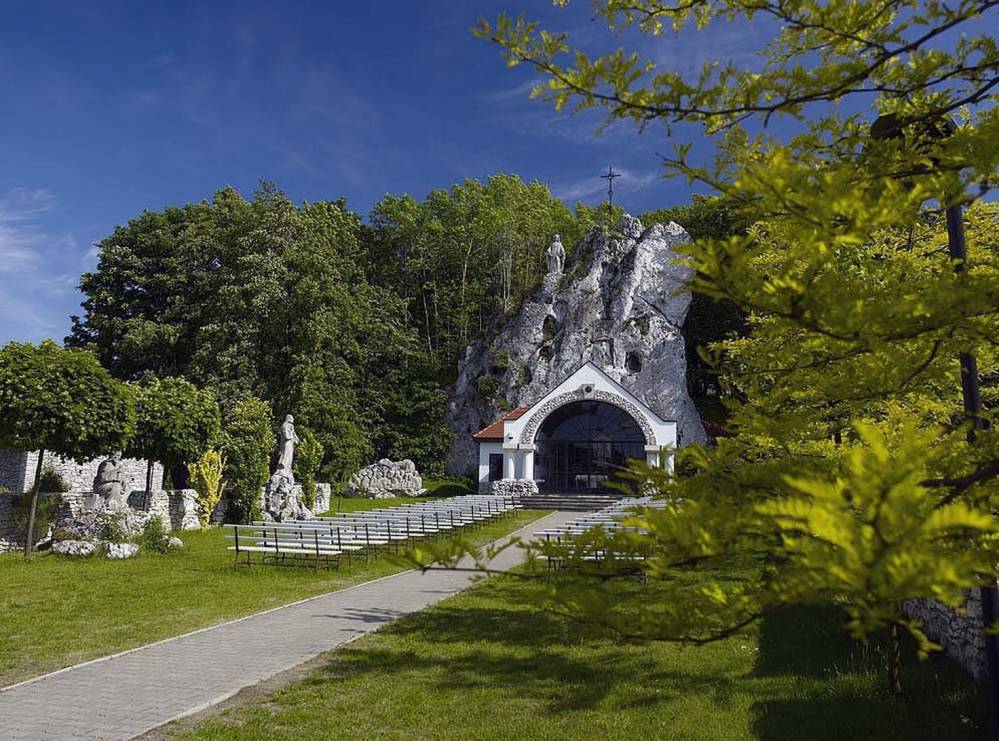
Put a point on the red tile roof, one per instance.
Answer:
(495, 430)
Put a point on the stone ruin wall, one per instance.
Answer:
(959, 634)
(177, 509)
(17, 471)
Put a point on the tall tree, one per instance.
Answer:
(850, 458)
(60, 401)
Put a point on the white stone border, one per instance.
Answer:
(534, 423)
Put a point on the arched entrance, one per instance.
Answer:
(582, 444)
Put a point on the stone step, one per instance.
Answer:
(568, 501)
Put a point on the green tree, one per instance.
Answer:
(206, 478)
(176, 424)
(247, 442)
(308, 458)
(850, 459)
(63, 402)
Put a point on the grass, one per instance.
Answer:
(484, 665)
(56, 611)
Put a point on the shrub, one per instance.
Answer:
(154, 536)
(206, 478)
(46, 513)
(308, 459)
(247, 442)
(51, 482)
(113, 527)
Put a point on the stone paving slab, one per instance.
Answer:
(130, 693)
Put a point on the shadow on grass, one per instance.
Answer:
(849, 697)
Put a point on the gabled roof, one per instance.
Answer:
(494, 432)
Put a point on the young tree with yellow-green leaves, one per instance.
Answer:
(854, 472)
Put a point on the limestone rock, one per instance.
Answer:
(75, 548)
(386, 479)
(621, 303)
(174, 542)
(514, 487)
(106, 525)
(122, 550)
(283, 499)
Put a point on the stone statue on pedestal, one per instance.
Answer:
(109, 488)
(555, 255)
(286, 446)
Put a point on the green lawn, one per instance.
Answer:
(483, 666)
(55, 611)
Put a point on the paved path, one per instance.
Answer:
(130, 693)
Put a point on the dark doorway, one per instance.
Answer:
(495, 467)
(581, 445)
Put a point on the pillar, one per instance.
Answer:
(509, 465)
(529, 464)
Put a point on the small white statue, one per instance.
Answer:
(555, 255)
(109, 489)
(286, 446)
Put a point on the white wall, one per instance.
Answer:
(485, 449)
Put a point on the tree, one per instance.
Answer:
(849, 463)
(206, 478)
(60, 401)
(176, 423)
(261, 298)
(308, 458)
(247, 442)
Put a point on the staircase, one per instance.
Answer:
(568, 501)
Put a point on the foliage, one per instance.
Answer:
(850, 463)
(60, 401)
(308, 457)
(258, 298)
(176, 422)
(154, 537)
(113, 527)
(46, 513)
(463, 256)
(51, 481)
(206, 478)
(247, 441)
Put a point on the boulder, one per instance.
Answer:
(514, 488)
(75, 548)
(174, 542)
(283, 499)
(386, 479)
(621, 303)
(122, 550)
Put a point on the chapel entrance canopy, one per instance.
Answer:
(582, 444)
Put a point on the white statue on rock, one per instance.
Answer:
(109, 489)
(286, 446)
(556, 255)
(282, 496)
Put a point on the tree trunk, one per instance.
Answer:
(149, 480)
(29, 536)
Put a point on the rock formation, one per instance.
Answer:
(620, 302)
(386, 479)
(283, 499)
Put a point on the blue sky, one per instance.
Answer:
(111, 108)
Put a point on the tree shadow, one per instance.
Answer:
(842, 685)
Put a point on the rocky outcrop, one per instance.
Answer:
(621, 302)
(283, 500)
(386, 479)
(514, 488)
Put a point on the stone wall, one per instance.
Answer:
(17, 471)
(324, 493)
(959, 634)
(177, 509)
(514, 487)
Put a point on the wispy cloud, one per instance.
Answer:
(594, 188)
(20, 233)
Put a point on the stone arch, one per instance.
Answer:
(530, 430)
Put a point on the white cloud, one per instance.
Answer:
(594, 188)
(20, 233)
